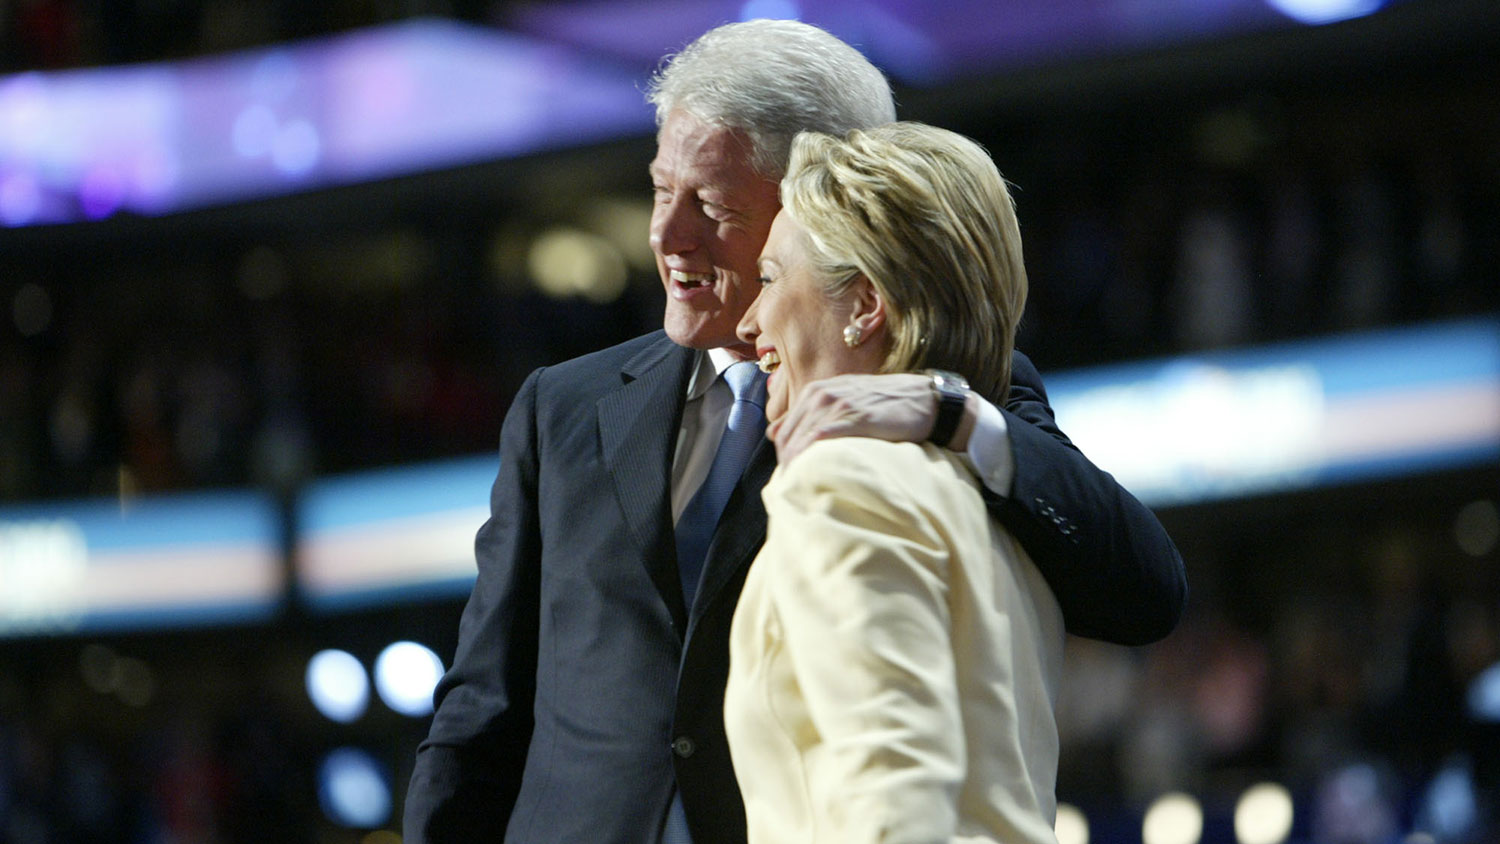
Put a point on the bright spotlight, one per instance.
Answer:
(338, 685)
(1072, 825)
(1325, 11)
(1263, 815)
(1450, 808)
(353, 789)
(1174, 818)
(1484, 695)
(405, 675)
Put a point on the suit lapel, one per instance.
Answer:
(637, 432)
(741, 531)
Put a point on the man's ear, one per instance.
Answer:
(867, 312)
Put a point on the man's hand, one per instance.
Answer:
(899, 407)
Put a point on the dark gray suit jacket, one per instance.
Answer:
(583, 688)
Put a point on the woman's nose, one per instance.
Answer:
(749, 329)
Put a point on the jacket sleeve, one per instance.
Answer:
(1116, 574)
(468, 770)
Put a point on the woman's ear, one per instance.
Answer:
(867, 309)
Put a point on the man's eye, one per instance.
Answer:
(765, 279)
(661, 194)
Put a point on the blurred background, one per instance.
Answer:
(271, 273)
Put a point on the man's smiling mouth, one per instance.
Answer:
(691, 279)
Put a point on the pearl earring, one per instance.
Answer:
(852, 336)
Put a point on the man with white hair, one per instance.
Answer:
(585, 699)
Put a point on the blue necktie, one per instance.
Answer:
(742, 434)
(695, 527)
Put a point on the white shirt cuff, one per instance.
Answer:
(989, 450)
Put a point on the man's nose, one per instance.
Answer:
(673, 227)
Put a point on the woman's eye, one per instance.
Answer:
(765, 279)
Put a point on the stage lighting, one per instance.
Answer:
(405, 675)
(338, 685)
(353, 789)
(1174, 818)
(1072, 825)
(567, 262)
(1263, 815)
(1484, 696)
(1325, 11)
(1449, 809)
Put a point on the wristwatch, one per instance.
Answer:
(952, 392)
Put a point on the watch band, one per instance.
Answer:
(952, 393)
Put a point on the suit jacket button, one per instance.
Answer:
(683, 746)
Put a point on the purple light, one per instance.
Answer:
(20, 199)
(156, 175)
(101, 191)
(771, 9)
(382, 84)
(430, 94)
(23, 112)
(254, 131)
(370, 104)
(275, 77)
(296, 148)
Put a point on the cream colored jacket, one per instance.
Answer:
(894, 659)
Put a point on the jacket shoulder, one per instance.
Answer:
(620, 354)
(606, 367)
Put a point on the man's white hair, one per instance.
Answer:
(772, 79)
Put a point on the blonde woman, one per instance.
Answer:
(895, 654)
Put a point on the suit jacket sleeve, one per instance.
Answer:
(859, 575)
(468, 771)
(1114, 570)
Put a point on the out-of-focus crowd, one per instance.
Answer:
(1304, 206)
(157, 364)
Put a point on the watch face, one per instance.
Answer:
(952, 393)
(949, 383)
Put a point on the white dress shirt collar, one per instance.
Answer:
(710, 367)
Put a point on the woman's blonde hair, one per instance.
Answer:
(925, 216)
